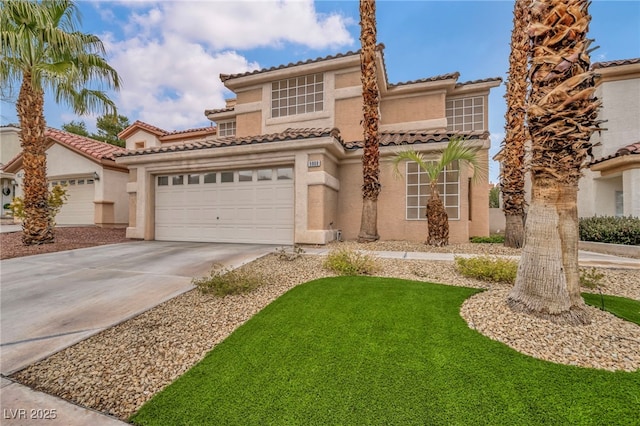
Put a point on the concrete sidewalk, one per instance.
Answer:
(585, 258)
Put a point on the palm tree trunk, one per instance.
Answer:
(513, 170)
(37, 225)
(371, 98)
(437, 219)
(548, 279)
(562, 115)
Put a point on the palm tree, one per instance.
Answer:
(456, 151)
(562, 115)
(512, 171)
(371, 99)
(41, 49)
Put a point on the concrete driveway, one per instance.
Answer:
(51, 301)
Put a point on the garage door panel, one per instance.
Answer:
(248, 211)
(79, 208)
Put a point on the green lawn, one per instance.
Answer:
(381, 351)
(622, 307)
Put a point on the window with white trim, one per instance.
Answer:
(418, 191)
(298, 95)
(227, 128)
(465, 114)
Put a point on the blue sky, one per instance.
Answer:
(170, 53)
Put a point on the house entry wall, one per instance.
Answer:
(237, 206)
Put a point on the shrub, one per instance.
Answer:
(57, 198)
(344, 261)
(609, 229)
(590, 278)
(494, 239)
(283, 254)
(225, 281)
(487, 268)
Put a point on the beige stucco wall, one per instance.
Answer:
(249, 124)
(115, 195)
(415, 108)
(246, 96)
(348, 79)
(147, 138)
(392, 222)
(348, 118)
(9, 144)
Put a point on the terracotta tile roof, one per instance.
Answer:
(632, 149)
(216, 111)
(225, 77)
(616, 63)
(88, 147)
(453, 75)
(287, 135)
(163, 133)
(412, 138)
(484, 80)
(153, 129)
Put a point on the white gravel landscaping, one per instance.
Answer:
(116, 371)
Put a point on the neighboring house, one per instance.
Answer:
(95, 184)
(612, 185)
(9, 148)
(285, 165)
(141, 135)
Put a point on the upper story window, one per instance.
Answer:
(297, 95)
(465, 114)
(227, 128)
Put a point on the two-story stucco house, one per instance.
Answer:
(611, 186)
(285, 164)
(9, 148)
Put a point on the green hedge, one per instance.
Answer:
(609, 229)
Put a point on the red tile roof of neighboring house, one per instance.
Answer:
(412, 138)
(484, 80)
(91, 148)
(453, 75)
(632, 149)
(289, 134)
(616, 63)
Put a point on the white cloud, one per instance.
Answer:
(174, 52)
(245, 25)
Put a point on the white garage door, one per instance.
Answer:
(79, 208)
(245, 206)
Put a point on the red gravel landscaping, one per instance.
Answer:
(66, 238)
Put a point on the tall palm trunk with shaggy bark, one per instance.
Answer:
(371, 99)
(562, 115)
(37, 225)
(512, 171)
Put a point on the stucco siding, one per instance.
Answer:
(249, 124)
(348, 118)
(348, 79)
(415, 108)
(247, 96)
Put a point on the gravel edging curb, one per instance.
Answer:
(119, 369)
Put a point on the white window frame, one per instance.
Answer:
(448, 180)
(465, 114)
(297, 95)
(227, 128)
